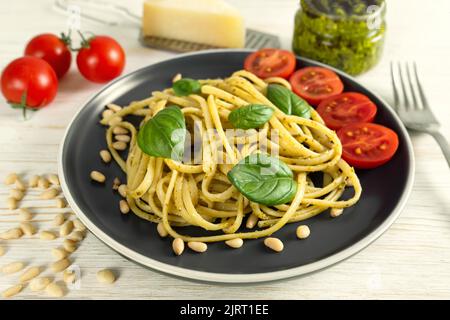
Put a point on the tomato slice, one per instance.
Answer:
(266, 63)
(345, 109)
(367, 145)
(315, 84)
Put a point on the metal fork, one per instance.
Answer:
(412, 106)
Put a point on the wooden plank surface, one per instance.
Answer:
(411, 260)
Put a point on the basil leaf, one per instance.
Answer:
(250, 117)
(186, 86)
(287, 101)
(264, 179)
(164, 134)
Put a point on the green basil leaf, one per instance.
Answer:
(287, 101)
(186, 86)
(250, 117)
(264, 179)
(164, 134)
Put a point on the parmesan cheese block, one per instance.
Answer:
(210, 22)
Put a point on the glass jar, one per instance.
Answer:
(346, 34)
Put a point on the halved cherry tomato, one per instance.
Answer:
(367, 145)
(345, 109)
(267, 63)
(315, 84)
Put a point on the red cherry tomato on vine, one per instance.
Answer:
(29, 82)
(52, 49)
(101, 59)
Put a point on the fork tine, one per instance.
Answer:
(402, 81)
(394, 87)
(415, 104)
(419, 86)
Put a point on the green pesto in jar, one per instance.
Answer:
(346, 34)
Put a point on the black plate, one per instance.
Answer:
(385, 189)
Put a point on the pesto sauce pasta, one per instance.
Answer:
(177, 193)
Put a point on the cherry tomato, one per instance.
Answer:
(367, 145)
(267, 63)
(315, 84)
(32, 78)
(101, 59)
(345, 109)
(52, 49)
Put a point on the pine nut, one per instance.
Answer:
(303, 232)
(123, 190)
(113, 107)
(177, 77)
(60, 265)
(58, 219)
(11, 178)
(39, 284)
(16, 194)
(124, 208)
(116, 183)
(20, 185)
(106, 276)
(54, 179)
(2, 251)
(119, 145)
(107, 114)
(69, 276)
(28, 228)
(178, 246)
(161, 230)
(115, 121)
(197, 246)
(47, 235)
(70, 245)
(25, 214)
(59, 253)
(235, 243)
(60, 203)
(120, 130)
(49, 194)
(252, 220)
(43, 183)
(78, 225)
(123, 137)
(29, 274)
(11, 234)
(274, 243)
(54, 290)
(12, 267)
(12, 291)
(76, 236)
(98, 176)
(66, 228)
(105, 155)
(33, 181)
(335, 212)
(11, 203)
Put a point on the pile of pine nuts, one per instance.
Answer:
(72, 230)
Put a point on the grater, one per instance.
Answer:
(120, 16)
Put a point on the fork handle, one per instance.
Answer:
(443, 143)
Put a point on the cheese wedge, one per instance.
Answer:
(210, 22)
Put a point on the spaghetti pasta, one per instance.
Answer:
(193, 193)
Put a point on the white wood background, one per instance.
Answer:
(411, 260)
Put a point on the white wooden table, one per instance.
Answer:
(411, 260)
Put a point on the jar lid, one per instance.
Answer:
(345, 9)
